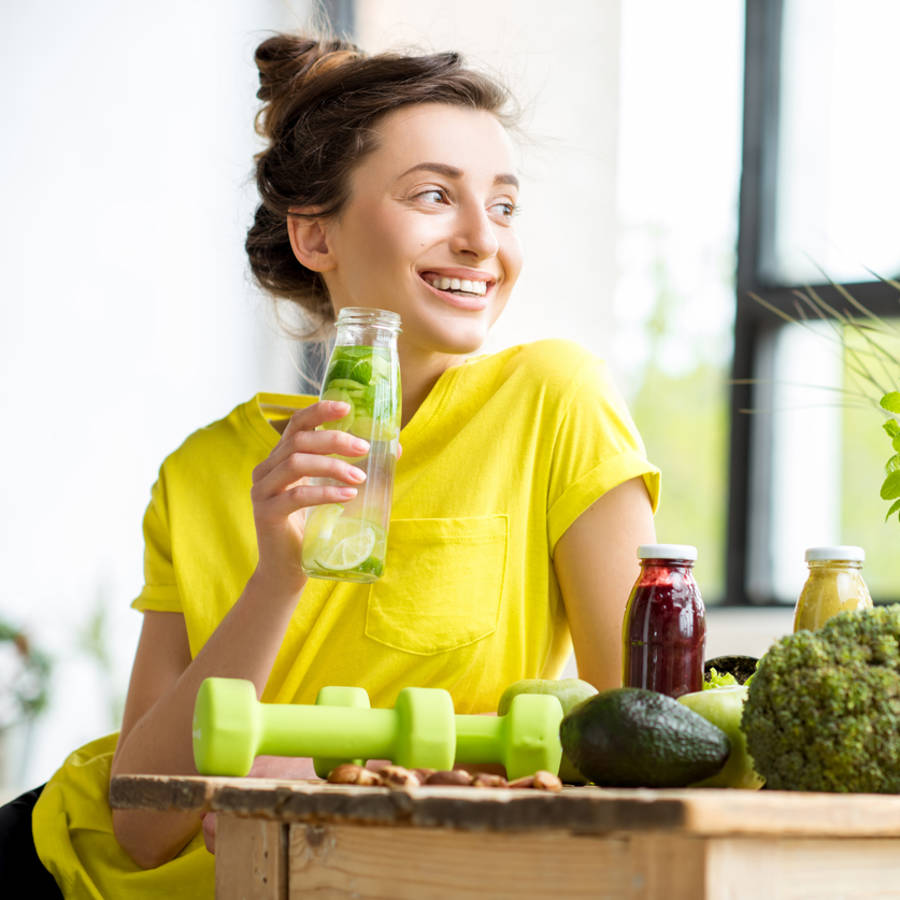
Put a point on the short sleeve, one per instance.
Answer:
(597, 447)
(160, 592)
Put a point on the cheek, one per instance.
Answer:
(512, 258)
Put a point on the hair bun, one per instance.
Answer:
(285, 61)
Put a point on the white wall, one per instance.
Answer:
(127, 316)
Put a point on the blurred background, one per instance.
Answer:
(677, 157)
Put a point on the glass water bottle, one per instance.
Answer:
(348, 541)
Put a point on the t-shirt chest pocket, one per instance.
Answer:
(442, 583)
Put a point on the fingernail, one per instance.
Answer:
(356, 474)
(361, 445)
(346, 493)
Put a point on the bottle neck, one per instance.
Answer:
(357, 326)
(659, 563)
(821, 565)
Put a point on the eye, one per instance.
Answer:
(432, 195)
(504, 209)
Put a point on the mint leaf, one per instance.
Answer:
(891, 401)
(890, 488)
(892, 427)
(894, 507)
(893, 464)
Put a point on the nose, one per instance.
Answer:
(475, 234)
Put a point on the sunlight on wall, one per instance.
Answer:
(128, 320)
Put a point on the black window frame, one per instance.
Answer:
(754, 324)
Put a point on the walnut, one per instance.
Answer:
(459, 777)
(349, 773)
(397, 776)
(483, 779)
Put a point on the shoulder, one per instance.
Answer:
(553, 366)
(239, 439)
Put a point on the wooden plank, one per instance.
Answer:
(587, 810)
(371, 863)
(746, 868)
(251, 859)
(719, 812)
(667, 866)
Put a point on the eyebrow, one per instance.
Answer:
(453, 172)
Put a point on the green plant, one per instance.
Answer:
(869, 345)
(24, 686)
(823, 710)
(890, 488)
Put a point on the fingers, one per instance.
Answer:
(298, 466)
(209, 831)
(302, 496)
(300, 437)
(311, 417)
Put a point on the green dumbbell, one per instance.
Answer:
(524, 740)
(231, 727)
(355, 698)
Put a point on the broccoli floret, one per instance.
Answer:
(823, 712)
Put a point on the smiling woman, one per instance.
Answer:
(388, 182)
(430, 240)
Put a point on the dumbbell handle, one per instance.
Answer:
(479, 739)
(311, 731)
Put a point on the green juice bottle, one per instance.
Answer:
(348, 541)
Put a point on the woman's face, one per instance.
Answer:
(427, 230)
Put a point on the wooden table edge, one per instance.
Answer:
(583, 811)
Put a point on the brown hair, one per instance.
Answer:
(321, 99)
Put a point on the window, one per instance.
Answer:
(679, 170)
(819, 194)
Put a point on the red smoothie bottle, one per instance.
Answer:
(665, 624)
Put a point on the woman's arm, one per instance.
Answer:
(156, 727)
(596, 564)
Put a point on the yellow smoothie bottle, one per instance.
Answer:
(835, 584)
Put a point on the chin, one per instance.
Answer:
(464, 342)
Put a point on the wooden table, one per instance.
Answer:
(293, 839)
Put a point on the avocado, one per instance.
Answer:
(739, 667)
(632, 737)
(569, 691)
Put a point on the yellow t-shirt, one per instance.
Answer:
(504, 454)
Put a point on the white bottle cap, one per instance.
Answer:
(851, 554)
(667, 551)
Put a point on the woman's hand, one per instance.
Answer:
(282, 490)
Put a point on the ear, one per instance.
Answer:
(308, 234)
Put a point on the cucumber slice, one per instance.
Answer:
(345, 384)
(339, 396)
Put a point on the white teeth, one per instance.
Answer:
(443, 283)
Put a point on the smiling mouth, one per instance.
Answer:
(463, 287)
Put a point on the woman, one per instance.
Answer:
(522, 493)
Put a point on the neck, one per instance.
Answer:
(418, 374)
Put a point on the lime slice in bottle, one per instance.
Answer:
(320, 523)
(351, 543)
